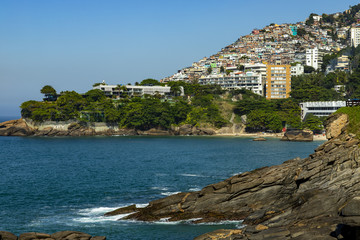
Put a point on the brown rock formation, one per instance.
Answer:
(63, 235)
(259, 139)
(7, 236)
(313, 198)
(15, 128)
(23, 127)
(298, 136)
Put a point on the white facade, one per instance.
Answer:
(250, 81)
(312, 57)
(111, 90)
(297, 70)
(256, 68)
(180, 76)
(320, 109)
(355, 36)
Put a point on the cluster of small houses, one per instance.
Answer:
(265, 60)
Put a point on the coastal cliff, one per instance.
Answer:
(313, 198)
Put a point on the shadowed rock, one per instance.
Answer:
(7, 236)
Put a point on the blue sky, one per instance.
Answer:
(72, 44)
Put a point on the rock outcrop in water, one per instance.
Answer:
(63, 235)
(313, 198)
(298, 136)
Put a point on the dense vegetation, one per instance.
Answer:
(139, 113)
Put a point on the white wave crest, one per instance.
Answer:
(238, 223)
(96, 210)
(160, 188)
(237, 173)
(194, 189)
(96, 219)
(191, 175)
(143, 205)
(169, 193)
(167, 222)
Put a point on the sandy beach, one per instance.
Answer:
(317, 137)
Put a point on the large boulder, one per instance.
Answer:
(335, 125)
(15, 128)
(185, 129)
(155, 132)
(70, 235)
(7, 236)
(298, 136)
(35, 236)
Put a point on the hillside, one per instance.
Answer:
(285, 43)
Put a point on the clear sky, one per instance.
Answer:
(72, 44)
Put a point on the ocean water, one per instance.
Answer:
(48, 184)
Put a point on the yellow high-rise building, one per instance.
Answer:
(278, 81)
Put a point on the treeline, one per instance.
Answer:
(274, 115)
(139, 113)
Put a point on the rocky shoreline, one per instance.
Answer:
(63, 235)
(313, 198)
(26, 127)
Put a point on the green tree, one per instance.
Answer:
(241, 67)
(150, 82)
(50, 93)
(48, 90)
(70, 103)
(310, 20)
(176, 90)
(309, 69)
(313, 123)
(301, 32)
(95, 95)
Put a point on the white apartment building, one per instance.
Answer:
(238, 80)
(320, 109)
(355, 36)
(312, 57)
(297, 70)
(257, 68)
(114, 90)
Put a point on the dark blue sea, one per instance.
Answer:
(48, 184)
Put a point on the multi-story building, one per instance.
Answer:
(256, 68)
(239, 80)
(343, 63)
(297, 70)
(129, 90)
(312, 57)
(355, 36)
(278, 81)
(320, 109)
